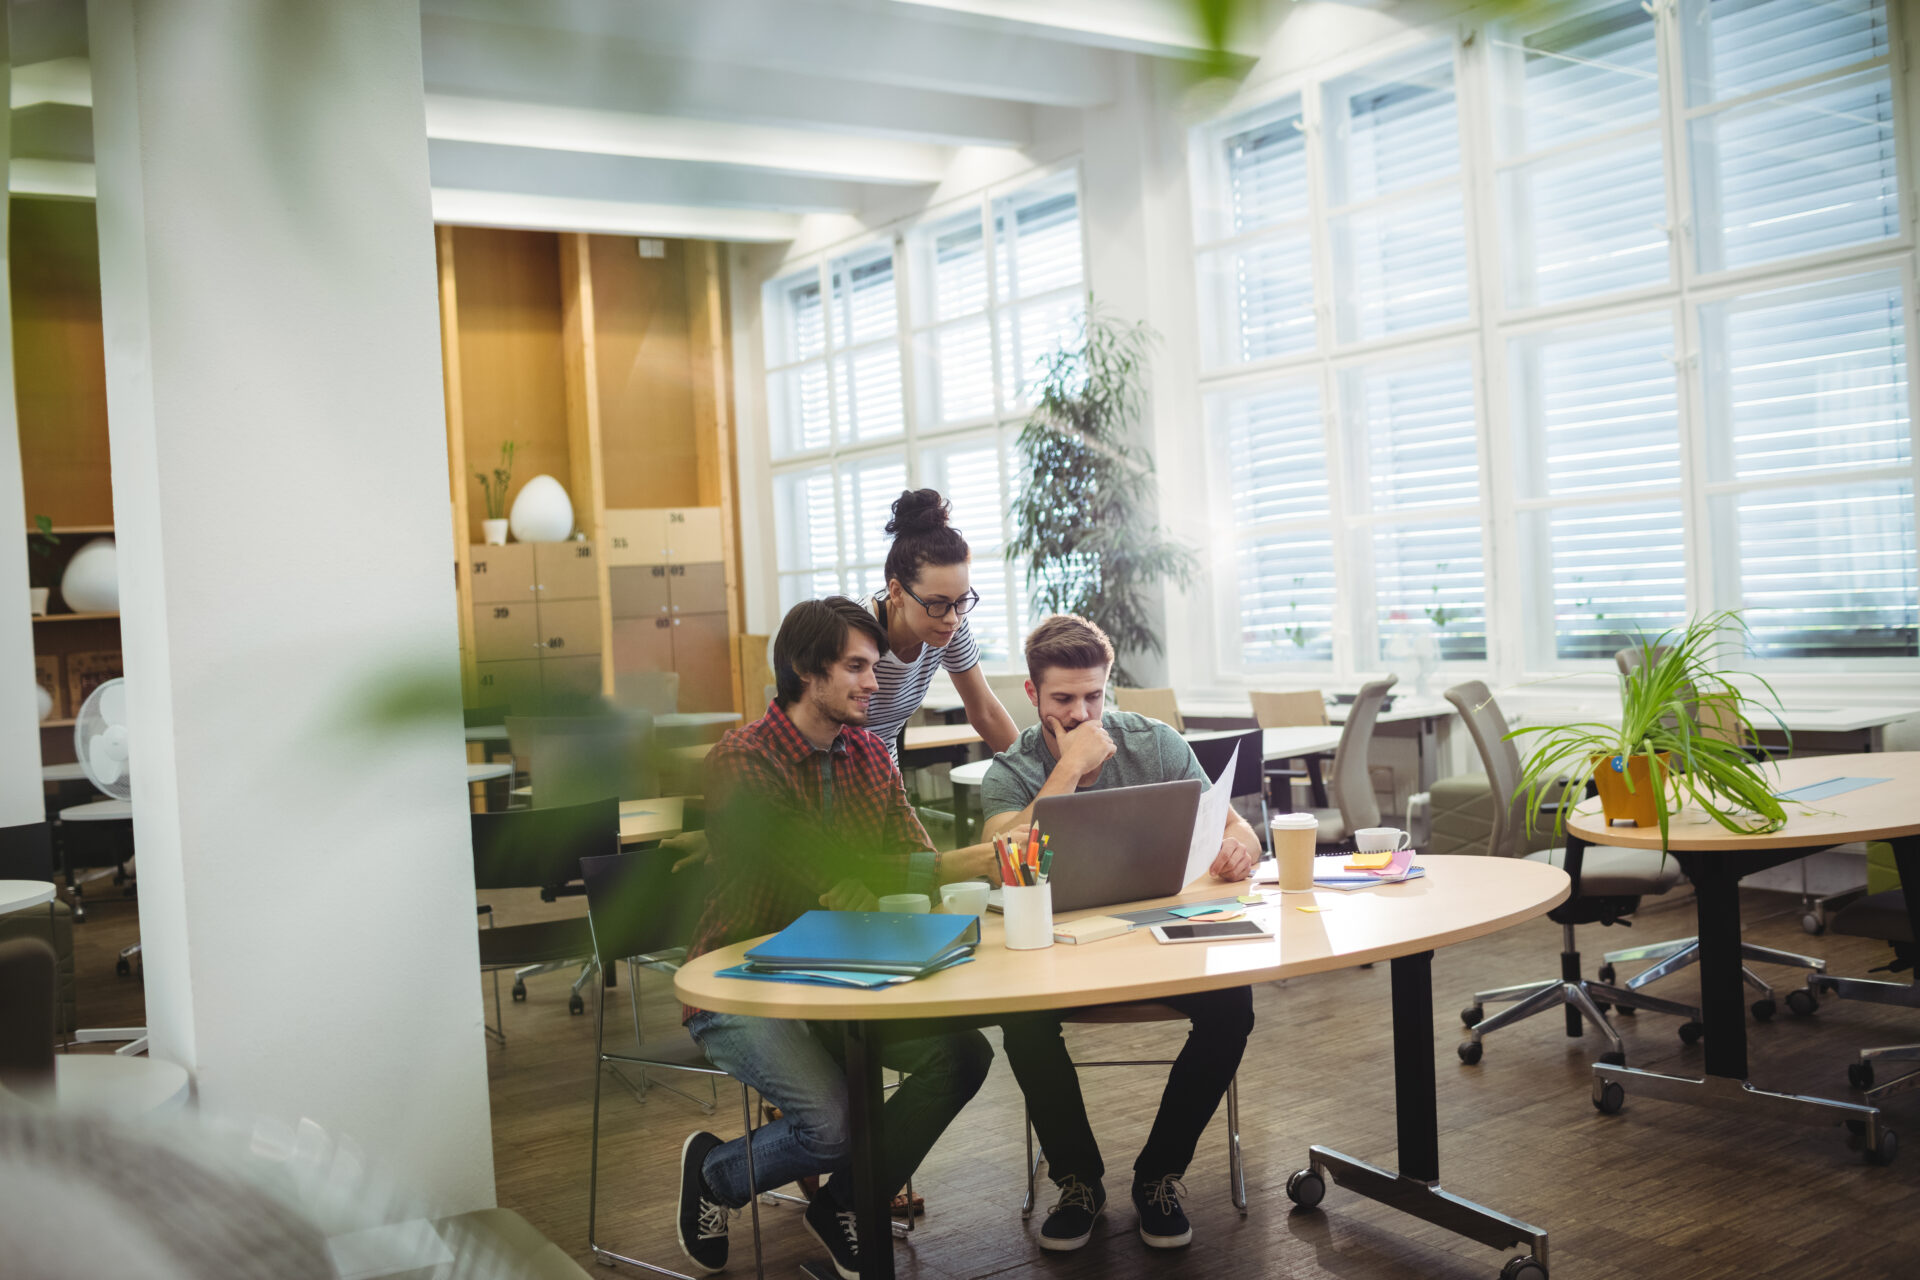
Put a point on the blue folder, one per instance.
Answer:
(868, 942)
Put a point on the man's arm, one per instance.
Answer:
(1082, 751)
(1239, 849)
(755, 827)
(925, 868)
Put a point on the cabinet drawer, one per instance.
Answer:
(514, 685)
(636, 535)
(638, 591)
(501, 573)
(505, 632)
(704, 658)
(642, 644)
(693, 533)
(570, 676)
(697, 588)
(569, 627)
(565, 571)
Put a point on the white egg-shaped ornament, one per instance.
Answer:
(541, 512)
(92, 581)
(46, 701)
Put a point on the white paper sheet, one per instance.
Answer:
(1210, 823)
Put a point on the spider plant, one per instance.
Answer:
(1677, 703)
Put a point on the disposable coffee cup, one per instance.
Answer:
(1382, 839)
(1028, 910)
(916, 904)
(1293, 839)
(966, 898)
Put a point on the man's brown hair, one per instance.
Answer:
(1066, 640)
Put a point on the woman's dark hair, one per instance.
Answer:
(921, 535)
(812, 637)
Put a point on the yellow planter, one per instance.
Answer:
(1616, 801)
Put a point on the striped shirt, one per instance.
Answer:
(903, 685)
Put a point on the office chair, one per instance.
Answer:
(1248, 778)
(655, 692)
(1157, 704)
(1884, 916)
(1355, 806)
(1608, 884)
(1125, 1014)
(1670, 957)
(91, 850)
(539, 849)
(1273, 710)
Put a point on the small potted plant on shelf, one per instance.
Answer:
(494, 487)
(1683, 734)
(40, 543)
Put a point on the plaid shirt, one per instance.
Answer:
(786, 823)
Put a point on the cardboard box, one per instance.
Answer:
(87, 671)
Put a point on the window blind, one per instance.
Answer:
(1266, 171)
(1740, 46)
(1433, 575)
(1285, 597)
(1395, 130)
(1829, 572)
(871, 400)
(1593, 73)
(1617, 572)
(1272, 445)
(864, 302)
(1416, 435)
(1606, 419)
(868, 489)
(1037, 242)
(1028, 335)
(1261, 299)
(969, 476)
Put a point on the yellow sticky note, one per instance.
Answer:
(1308, 906)
(1252, 899)
(1368, 861)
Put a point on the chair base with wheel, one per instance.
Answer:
(1671, 957)
(1882, 916)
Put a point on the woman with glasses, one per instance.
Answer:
(924, 613)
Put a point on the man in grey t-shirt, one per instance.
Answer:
(1079, 746)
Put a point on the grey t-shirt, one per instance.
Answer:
(1144, 751)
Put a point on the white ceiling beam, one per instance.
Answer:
(1158, 28)
(59, 179)
(565, 68)
(62, 81)
(842, 42)
(631, 180)
(794, 151)
(559, 213)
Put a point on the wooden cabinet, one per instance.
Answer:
(536, 622)
(668, 585)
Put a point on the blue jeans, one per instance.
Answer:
(799, 1068)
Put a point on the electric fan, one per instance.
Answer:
(100, 739)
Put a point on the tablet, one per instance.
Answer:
(1228, 931)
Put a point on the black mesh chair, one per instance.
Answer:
(538, 849)
(1883, 916)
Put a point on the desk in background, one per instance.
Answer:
(1715, 859)
(1458, 899)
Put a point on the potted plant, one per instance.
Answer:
(1083, 519)
(40, 543)
(494, 487)
(1682, 736)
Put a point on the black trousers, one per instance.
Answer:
(1220, 1022)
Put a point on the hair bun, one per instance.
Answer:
(917, 511)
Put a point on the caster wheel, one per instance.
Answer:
(575, 1004)
(1763, 1010)
(1860, 1075)
(1613, 1058)
(1609, 1098)
(1888, 1149)
(1625, 1010)
(1525, 1268)
(1858, 1128)
(1690, 1032)
(1472, 1014)
(1603, 1006)
(1469, 1052)
(519, 991)
(1801, 1001)
(1306, 1188)
(123, 968)
(1813, 923)
(1607, 975)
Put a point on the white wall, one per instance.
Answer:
(280, 499)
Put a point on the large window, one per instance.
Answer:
(908, 363)
(1683, 362)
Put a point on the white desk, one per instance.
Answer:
(18, 895)
(1828, 726)
(488, 771)
(72, 771)
(109, 1084)
(486, 733)
(98, 811)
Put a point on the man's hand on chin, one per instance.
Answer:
(849, 895)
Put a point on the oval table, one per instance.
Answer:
(110, 1084)
(1714, 860)
(1459, 898)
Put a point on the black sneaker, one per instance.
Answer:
(703, 1220)
(1070, 1222)
(1163, 1224)
(834, 1227)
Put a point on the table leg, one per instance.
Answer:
(1725, 1086)
(1416, 1188)
(870, 1199)
(1429, 752)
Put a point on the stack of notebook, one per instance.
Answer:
(861, 949)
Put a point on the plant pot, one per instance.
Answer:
(39, 597)
(495, 532)
(1616, 801)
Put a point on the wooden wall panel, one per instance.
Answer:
(60, 377)
(512, 372)
(645, 374)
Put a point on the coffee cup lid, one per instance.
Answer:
(1293, 821)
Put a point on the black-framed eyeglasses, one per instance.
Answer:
(938, 608)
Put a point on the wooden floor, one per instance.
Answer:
(1658, 1191)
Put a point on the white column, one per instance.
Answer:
(20, 795)
(280, 501)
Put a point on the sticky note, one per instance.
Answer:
(1308, 906)
(1369, 861)
(1216, 917)
(1202, 909)
(1253, 899)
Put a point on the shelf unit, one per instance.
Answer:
(610, 373)
(75, 617)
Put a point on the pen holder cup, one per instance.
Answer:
(1029, 916)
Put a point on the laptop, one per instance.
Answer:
(1117, 845)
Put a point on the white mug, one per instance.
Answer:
(1382, 839)
(907, 903)
(965, 898)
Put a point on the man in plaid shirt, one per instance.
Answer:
(806, 811)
